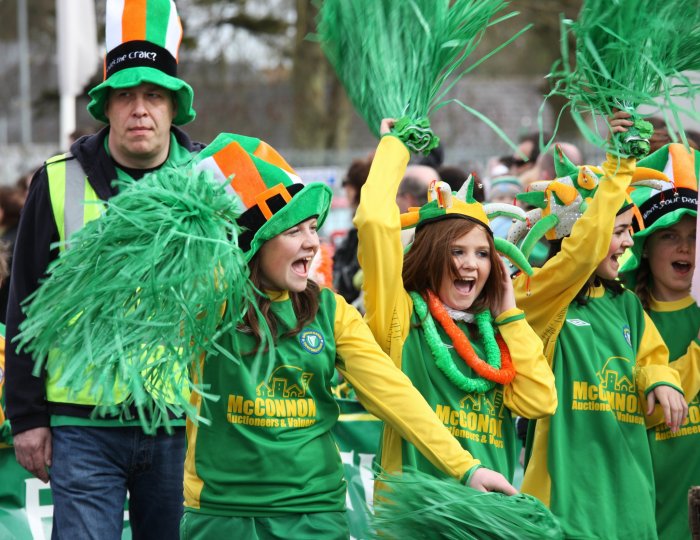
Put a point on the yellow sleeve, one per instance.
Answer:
(688, 368)
(546, 295)
(653, 369)
(387, 393)
(532, 393)
(380, 252)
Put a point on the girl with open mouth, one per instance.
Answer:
(610, 365)
(660, 271)
(445, 313)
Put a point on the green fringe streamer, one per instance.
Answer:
(399, 59)
(143, 292)
(628, 53)
(420, 506)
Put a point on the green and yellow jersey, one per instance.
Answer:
(482, 423)
(590, 462)
(267, 449)
(678, 323)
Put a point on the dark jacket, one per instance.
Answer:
(25, 395)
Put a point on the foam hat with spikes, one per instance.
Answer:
(444, 204)
(272, 196)
(142, 39)
(666, 189)
(558, 203)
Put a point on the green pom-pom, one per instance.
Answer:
(635, 141)
(139, 297)
(416, 134)
(628, 53)
(403, 58)
(419, 506)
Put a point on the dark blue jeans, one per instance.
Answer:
(93, 468)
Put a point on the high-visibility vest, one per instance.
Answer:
(73, 200)
(74, 203)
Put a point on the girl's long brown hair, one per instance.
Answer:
(305, 304)
(430, 258)
(641, 288)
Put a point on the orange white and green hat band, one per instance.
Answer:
(134, 54)
(142, 39)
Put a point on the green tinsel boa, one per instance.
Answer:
(443, 358)
(143, 292)
(420, 506)
(399, 59)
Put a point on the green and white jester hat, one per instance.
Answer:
(670, 191)
(558, 203)
(444, 204)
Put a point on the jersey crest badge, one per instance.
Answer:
(311, 341)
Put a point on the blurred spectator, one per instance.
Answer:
(22, 184)
(503, 189)
(413, 189)
(528, 151)
(435, 158)
(81, 132)
(693, 138)
(345, 263)
(11, 202)
(544, 166)
(661, 136)
(498, 166)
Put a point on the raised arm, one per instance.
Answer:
(546, 294)
(380, 251)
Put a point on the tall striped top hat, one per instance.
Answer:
(142, 40)
(669, 191)
(272, 196)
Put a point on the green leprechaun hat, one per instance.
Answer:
(670, 192)
(142, 40)
(273, 197)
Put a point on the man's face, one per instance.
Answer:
(140, 118)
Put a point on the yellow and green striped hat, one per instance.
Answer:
(272, 196)
(142, 40)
